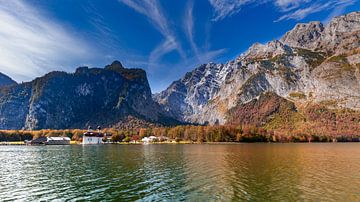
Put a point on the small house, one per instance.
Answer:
(150, 139)
(50, 141)
(58, 141)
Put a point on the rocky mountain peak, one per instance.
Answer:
(116, 65)
(81, 70)
(345, 23)
(270, 49)
(303, 35)
(133, 74)
(336, 36)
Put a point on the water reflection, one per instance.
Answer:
(263, 172)
(250, 172)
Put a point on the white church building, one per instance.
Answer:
(93, 137)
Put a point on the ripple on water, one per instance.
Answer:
(250, 172)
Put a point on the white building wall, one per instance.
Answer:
(92, 140)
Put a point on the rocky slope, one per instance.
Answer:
(313, 63)
(90, 96)
(5, 80)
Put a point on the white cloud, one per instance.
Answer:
(227, 8)
(339, 9)
(103, 32)
(152, 10)
(303, 12)
(287, 5)
(290, 9)
(317, 6)
(189, 28)
(202, 56)
(33, 44)
(164, 47)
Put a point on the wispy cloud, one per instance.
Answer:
(32, 43)
(153, 11)
(303, 12)
(227, 8)
(103, 31)
(202, 56)
(168, 45)
(316, 7)
(339, 9)
(288, 5)
(189, 27)
(290, 9)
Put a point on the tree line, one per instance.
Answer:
(198, 134)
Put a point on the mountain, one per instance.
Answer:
(6, 80)
(89, 96)
(312, 66)
(308, 79)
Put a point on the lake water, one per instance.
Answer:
(237, 172)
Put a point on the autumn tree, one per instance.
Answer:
(142, 132)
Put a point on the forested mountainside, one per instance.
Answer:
(90, 96)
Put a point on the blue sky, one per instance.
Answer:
(166, 38)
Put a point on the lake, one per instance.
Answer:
(225, 172)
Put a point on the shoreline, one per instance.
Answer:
(19, 143)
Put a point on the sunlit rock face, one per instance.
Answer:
(311, 63)
(90, 96)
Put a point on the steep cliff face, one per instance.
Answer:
(312, 63)
(90, 96)
(6, 80)
(14, 106)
